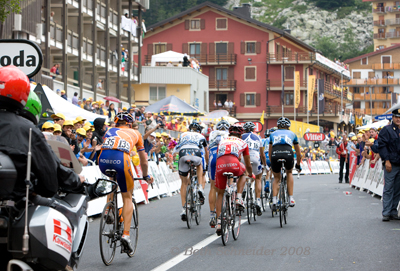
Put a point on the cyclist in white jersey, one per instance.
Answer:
(189, 149)
(257, 158)
(216, 136)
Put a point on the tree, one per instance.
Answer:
(7, 7)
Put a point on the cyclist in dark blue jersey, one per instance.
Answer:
(280, 147)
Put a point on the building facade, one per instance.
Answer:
(86, 39)
(244, 60)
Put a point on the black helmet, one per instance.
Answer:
(195, 126)
(249, 127)
(283, 122)
(267, 133)
(236, 129)
(223, 125)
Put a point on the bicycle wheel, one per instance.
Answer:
(281, 203)
(253, 203)
(224, 220)
(262, 196)
(107, 233)
(236, 220)
(197, 208)
(189, 206)
(248, 203)
(134, 229)
(285, 214)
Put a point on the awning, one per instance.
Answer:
(172, 105)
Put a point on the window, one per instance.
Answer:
(157, 93)
(357, 105)
(284, 51)
(356, 75)
(311, 71)
(222, 73)
(386, 59)
(289, 98)
(364, 61)
(356, 90)
(195, 24)
(250, 47)
(371, 74)
(289, 73)
(194, 49)
(221, 48)
(277, 48)
(250, 73)
(160, 48)
(221, 24)
(250, 99)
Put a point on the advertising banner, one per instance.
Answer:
(310, 92)
(321, 96)
(297, 89)
(352, 165)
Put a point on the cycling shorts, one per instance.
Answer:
(256, 163)
(212, 164)
(227, 163)
(282, 152)
(121, 162)
(191, 154)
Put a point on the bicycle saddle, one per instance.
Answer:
(281, 160)
(228, 174)
(111, 172)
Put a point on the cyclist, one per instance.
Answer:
(214, 139)
(257, 158)
(116, 154)
(265, 143)
(229, 152)
(188, 148)
(280, 147)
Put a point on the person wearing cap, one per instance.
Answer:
(389, 151)
(149, 138)
(96, 109)
(57, 130)
(77, 124)
(183, 127)
(166, 138)
(156, 150)
(48, 127)
(68, 135)
(88, 105)
(111, 112)
(64, 95)
(343, 155)
(58, 118)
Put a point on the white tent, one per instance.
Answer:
(69, 110)
(166, 57)
(376, 125)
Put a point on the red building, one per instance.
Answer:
(243, 59)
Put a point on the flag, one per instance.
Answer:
(283, 86)
(297, 89)
(321, 96)
(262, 118)
(310, 94)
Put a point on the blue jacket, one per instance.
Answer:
(389, 144)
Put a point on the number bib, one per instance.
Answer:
(116, 143)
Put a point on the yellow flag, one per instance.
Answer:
(297, 89)
(311, 87)
(262, 118)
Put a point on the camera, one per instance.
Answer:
(148, 122)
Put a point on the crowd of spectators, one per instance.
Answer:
(342, 64)
(191, 62)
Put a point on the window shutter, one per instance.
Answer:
(242, 99)
(230, 73)
(386, 59)
(250, 73)
(169, 46)
(356, 75)
(242, 47)
(187, 24)
(203, 49)
(150, 49)
(211, 74)
(202, 24)
(258, 99)
(211, 49)
(289, 73)
(185, 48)
(230, 47)
(258, 47)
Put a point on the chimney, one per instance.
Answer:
(244, 10)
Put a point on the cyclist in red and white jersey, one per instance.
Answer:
(229, 153)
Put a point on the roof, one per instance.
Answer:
(235, 14)
(377, 52)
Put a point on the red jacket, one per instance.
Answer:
(342, 147)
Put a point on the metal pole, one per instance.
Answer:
(283, 88)
(294, 96)
(370, 100)
(341, 105)
(318, 102)
(307, 98)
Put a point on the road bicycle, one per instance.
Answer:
(230, 215)
(250, 204)
(112, 226)
(283, 196)
(193, 204)
(264, 195)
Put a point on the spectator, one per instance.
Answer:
(75, 99)
(219, 104)
(57, 130)
(100, 129)
(96, 109)
(170, 125)
(215, 103)
(107, 105)
(183, 127)
(226, 104)
(170, 64)
(68, 135)
(180, 64)
(64, 95)
(88, 106)
(52, 16)
(341, 150)
(54, 70)
(57, 69)
(111, 112)
(186, 61)
(58, 118)
(48, 127)
(230, 104)
(149, 139)
(100, 84)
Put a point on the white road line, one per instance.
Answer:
(181, 256)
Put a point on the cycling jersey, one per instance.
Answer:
(254, 143)
(265, 143)
(191, 139)
(215, 139)
(283, 137)
(122, 139)
(232, 146)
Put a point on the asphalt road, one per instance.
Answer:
(327, 230)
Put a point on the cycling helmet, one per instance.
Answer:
(223, 125)
(273, 129)
(236, 129)
(123, 116)
(33, 108)
(14, 87)
(249, 127)
(283, 122)
(267, 133)
(195, 126)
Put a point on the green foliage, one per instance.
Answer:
(335, 4)
(300, 8)
(331, 49)
(279, 23)
(7, 7)
(257, 4)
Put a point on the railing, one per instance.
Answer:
(380, 23)
(386, 66)
(113, 59)
(278, 83)
(69, 38)
(367, 111)
(89, 47)
(291, 57)
(222, 84)
(392, 21)
(330, 109)
(378, 10)
(393, 34)
(204, 59)
(231, 110)
(379, 36)
(372, 82)
(392, 8)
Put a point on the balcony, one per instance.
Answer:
(372, 82)
(393, 34)
(392, 22)
(72, 42)
(379, 36)
(231, 110)
(276, 84)
(378, 10)
(392, 8)
(331, 109)
(87, 49)
(88, 7)
(367, 111)
(295, 57)
(381, 22)
(386, 66)
(216, 59)
(222, 85)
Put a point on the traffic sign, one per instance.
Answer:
(258, 125)
(314, 136)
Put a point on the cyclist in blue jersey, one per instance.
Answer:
(280, 147)
(221, 132)
(265, 143)
(257, 158)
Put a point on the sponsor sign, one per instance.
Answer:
(258, 125)
(314, 136)
(24, 54)
(353, 165)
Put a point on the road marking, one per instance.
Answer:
(181, 256)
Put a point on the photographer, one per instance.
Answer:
(149, 137)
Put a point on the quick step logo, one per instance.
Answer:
(62, 235)
(314, 136)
